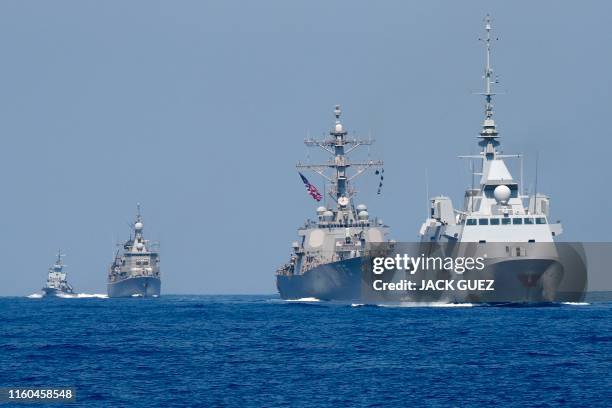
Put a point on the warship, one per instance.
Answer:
(326, 261)
(56, 280)
(518, 240)
(135, 270)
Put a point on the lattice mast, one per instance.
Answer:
(338, 145)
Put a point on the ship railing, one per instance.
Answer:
(371, 222)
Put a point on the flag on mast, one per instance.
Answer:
(312, 190)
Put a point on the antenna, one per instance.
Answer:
(522, 192)
(488, 73)
(535, 195)
(472, 190)
(427, 192)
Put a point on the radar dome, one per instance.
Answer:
(339, 128)
(501, 194)
(139, 246)
(321, 210)
(328, 214)
(138, 225)
(362, 207)
(363, 215)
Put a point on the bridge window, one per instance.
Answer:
(483, 221)
(471, 221)
(540, 220)
(517, 221)
(528, 220)
(494, 221)
(506, 221)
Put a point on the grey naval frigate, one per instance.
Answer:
(135, 270)
(326, 261)
(517, 240)
(57, 284)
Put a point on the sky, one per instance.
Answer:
(198, 110)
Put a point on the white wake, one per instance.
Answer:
(306, 299)
(426, 304)
(82, 295)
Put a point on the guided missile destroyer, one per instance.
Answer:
(517, 240)
(135, 270)
(57, 284)
(326, 262)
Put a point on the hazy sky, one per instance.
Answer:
(198, 110)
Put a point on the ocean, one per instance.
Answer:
(260, 351)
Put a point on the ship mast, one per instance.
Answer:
(339, 146)
(59, 257)
(493, 170)
(489, 132)
(138, 224)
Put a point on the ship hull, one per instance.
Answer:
(512, 281)
(338, 281)
(334, 281)
(142, 286)
(55, 292)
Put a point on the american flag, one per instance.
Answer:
(312, 190)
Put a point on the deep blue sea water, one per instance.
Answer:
(259, 351)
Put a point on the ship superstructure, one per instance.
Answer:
(326, 259)
(493, 211)
(57, 284)
(135, 270)
(517, 240)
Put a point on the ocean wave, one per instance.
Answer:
(35, 296)
(576, 303)
(82, 295)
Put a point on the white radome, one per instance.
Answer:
(339, 127)
(138, 225)
(502, 194)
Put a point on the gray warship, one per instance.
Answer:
(326, 261)
(135, 270)
(517, 240)
(57, 284)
